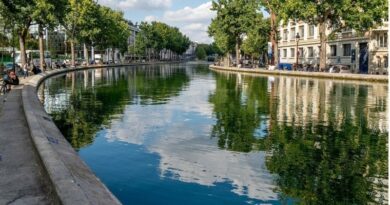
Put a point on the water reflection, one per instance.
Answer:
(265, 139)
(327, 141)
(82, 109)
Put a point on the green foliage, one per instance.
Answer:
(257, 38)
(238, 117)
(113, 29)
(90, 109)
(356, 14)
(234, 20)
(156, 36)
(200, 53)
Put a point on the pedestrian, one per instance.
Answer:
(36, 70)
(25, 70)
(10, 79)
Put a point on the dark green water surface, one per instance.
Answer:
(181, 134)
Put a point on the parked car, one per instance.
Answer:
(344, 69)
(334, 69)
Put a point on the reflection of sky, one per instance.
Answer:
(179, 132)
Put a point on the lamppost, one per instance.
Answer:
(297, 37)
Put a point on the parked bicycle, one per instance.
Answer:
(3, 88)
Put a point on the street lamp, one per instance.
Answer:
(297, 37)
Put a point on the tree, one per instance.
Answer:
(200, 53)
(71, 24)
(19, 13)
(89, 25)
(112, 30)
(360, 15)
(47, 14)
(234, 19)
(156, 36)
(273, 7)
(256, 43)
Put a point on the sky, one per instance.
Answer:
(192, 17)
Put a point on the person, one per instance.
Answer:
(25, 70)
(10, 79)
(36, 70)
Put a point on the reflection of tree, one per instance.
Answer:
(327, 166)
(341, 163)
(88, 109)
(239, 115)
(157, 86)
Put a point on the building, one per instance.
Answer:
(361, 52)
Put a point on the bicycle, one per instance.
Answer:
(4, 90)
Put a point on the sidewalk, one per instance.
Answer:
(21, 179)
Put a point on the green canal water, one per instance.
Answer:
(182, 134)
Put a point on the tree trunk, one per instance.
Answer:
(237, 52)
(72, 53)
(86, 54)
(41, 49)
(274, 40)
(113, 55)
(92, 53)
(323, 39)
(22, 43)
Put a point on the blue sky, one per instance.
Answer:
(192, 17)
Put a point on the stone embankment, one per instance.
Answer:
(332, 76)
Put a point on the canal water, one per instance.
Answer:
(182, 134)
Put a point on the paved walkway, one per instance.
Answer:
(21, 180)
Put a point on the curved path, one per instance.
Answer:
(21, 175)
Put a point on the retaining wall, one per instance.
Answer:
(331, 76)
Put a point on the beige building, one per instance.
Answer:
(362, 52)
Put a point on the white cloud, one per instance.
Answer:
(201, 13)
(137, 4)
(191, 21)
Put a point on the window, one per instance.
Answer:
(292, 37)
(333, 50)
(285, 34)
(379, 61)
(300, 52)
(302, 32)
(284, 53)
(311, 30)
(382, 40)
(347, 49)
(386, 63)
(292, 52)
(310, 52)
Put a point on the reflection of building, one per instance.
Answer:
(305, 101)
(190, 53)
(134, 30)
(347, 47)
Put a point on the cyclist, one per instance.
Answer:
(10, 79)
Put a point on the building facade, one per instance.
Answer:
(361, 52)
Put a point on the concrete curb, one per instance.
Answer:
(331, 76)
(71, 179)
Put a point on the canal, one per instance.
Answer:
(182, 134)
